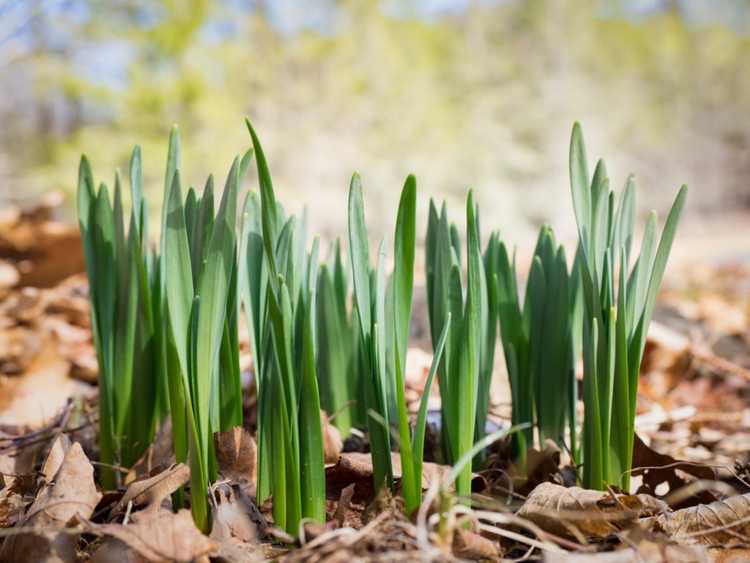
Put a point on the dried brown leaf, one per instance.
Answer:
(332, 443)
(237, 454)
(12, 506)
(561, 510)
(55, 457)
(470, 545)
(71, 496)
(31, 400)
(157, 537)
(152, 491)
(231, 516)
(718, 523)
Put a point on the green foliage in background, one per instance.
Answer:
(99, 77)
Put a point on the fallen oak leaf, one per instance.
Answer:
(236, 454)
(332, 442)
(718, 523)
(55, 457)
(154, 490)
(154, 537)
(231, 516)
(594, 514)
(71, 496)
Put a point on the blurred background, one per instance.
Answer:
(464, 93)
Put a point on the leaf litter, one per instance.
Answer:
(691, 475)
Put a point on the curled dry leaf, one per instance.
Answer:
(72, 495)
(718, 523)
(237, 455)
(236, 521)
(55, 457)
(470, 545)
(154, 537)
(332, 443)
(357, 466)
(231, 516)
(595, 514)
(154, 490)
(343, 508)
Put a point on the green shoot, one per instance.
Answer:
(165, 324)
(369, 305)
(618, 303)
(459, 372)
(124, 320)
(337, 346)
(537, 337)
(278, 285)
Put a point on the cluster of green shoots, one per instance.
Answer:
(334, 335)
(164, 323)
(618, 303)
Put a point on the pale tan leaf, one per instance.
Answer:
(718, 523)
(236, 454)
(470, 545)
(152, 491)
(159, 537)
(332, 443)
(231, 517)
(563, 510)
(55, 457)
(71, 496)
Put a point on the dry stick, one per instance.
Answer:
(329, 536)
(520, 538)
(524, 557)
(38, 438)
(546, 538)
(61, 418)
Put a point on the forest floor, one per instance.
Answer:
(690, 498)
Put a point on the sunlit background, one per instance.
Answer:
(464, 93)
